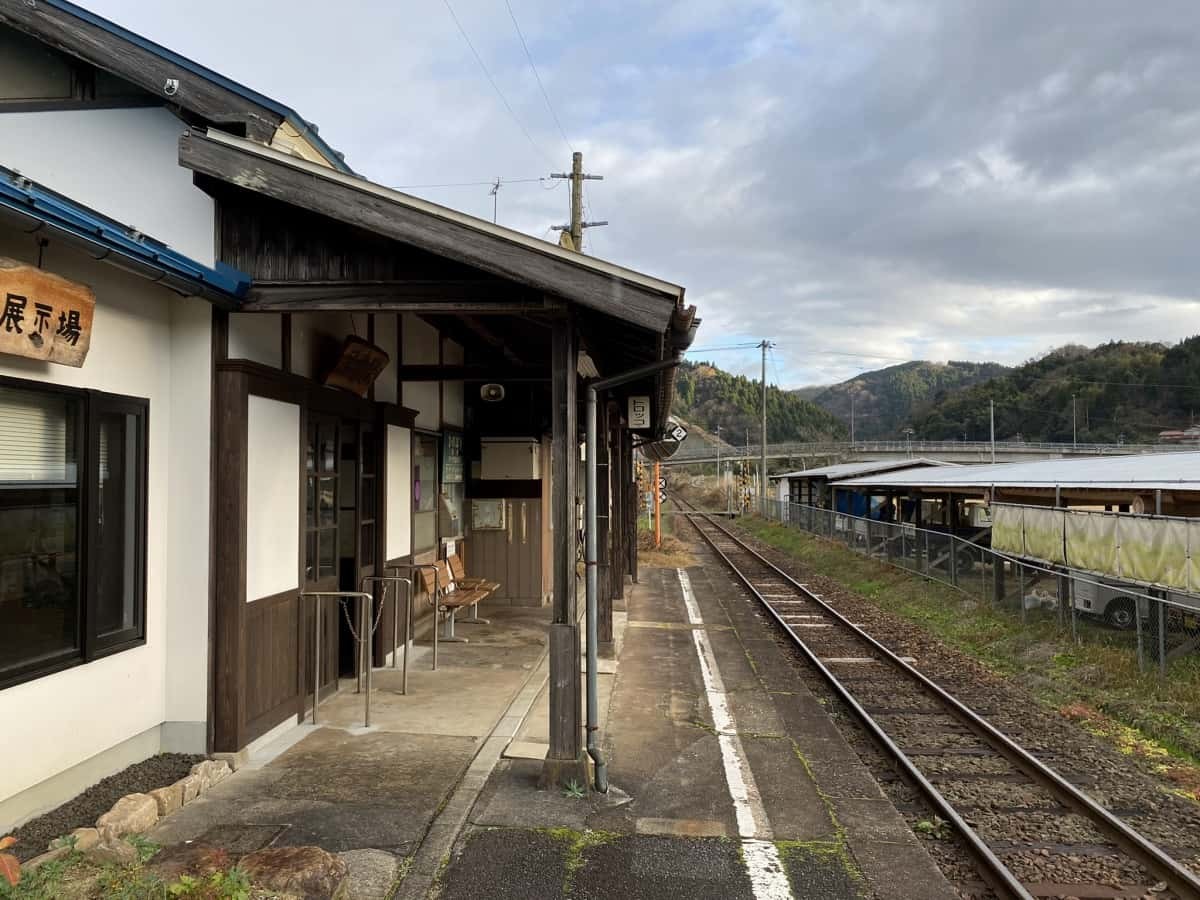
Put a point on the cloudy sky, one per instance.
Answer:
(967, 179)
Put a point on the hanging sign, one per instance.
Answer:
(360, 364)
(44, 316)
(639, 412)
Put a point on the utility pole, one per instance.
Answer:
(762, 471)
(577, 178)
(495, 199)
(992, 416)
(1074, 432)
(852, 419)
(718, 453)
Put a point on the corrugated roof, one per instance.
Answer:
(1151, 471)
(853, 469)
(35, 207)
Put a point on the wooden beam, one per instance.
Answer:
(564, 651)
(471, 373)
(479, 247)
(416, 295)
(87, 41)
(493, 340)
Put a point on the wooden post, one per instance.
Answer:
(604, 606)
(631, 543)
(657, 506)
(565, 761)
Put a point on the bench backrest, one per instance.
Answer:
(444, 579)
(428, 582)
(456, 566)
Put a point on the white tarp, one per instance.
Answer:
(1152, 550)
(1008, 535)
(1044, 534)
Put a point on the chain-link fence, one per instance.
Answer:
(1159, 626)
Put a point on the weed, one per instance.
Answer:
(145, 847)
(936, 828)
(573, 790)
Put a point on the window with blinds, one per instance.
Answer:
(37, 438)
(72, 527)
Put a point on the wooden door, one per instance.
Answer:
(321, 548)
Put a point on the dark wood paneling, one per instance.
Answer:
(271, 661)
(547, 271)
(229, 559)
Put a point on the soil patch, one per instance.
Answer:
(83, 811)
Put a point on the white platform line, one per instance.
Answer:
(767, 876)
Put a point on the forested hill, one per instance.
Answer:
(1134, 390)
(708, 396)
(886, 400)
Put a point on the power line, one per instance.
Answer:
(492, 81)
(450, 184)
(529, 57)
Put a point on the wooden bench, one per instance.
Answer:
(446, 597)
(459, 572)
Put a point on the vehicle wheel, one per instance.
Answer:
(1120, 613)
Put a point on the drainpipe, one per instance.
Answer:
(590, 553)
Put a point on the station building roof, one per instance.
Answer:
(1146, 472)
(869, 467)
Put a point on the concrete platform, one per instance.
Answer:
(809, 820)
(371, 794)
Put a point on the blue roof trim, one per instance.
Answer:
(24, 196)
(286, 112)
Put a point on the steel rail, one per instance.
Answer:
(1151, 856)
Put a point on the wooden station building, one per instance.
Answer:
(258, 374)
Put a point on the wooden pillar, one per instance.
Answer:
(617, 478)
(603, 556)
(633, 505)
(565, 761)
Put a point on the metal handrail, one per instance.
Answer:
(363, 597)
(433, 599)
(385, 579)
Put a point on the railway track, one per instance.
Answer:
(1079, 849)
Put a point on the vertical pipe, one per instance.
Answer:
(408, 633)
(762, 479)
(317, 657)
(396, 632)
(591, 589)
(1162, 636)
(1137, 619)
(368, 602)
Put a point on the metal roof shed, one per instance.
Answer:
(808, 485)
(1109, 481)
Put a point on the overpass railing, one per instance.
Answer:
(1157, 626)
(821, 448)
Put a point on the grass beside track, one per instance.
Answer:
(1099, 686)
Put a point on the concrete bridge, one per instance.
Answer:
(800, 455)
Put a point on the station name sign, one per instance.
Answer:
(639, 412)
(44, 316)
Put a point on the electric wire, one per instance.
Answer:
(495, 87)
(545, 96)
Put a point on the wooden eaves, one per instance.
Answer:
(543, 267)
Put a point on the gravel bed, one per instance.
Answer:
(83, 811)
(1113, 779)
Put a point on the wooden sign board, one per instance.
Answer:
(360, 364)
(44, 316)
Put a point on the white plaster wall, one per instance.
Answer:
(421, 349)
(122, 162)
(186, 660)
(273, 515)
(256, 336)
(399, 492)
(312, 330)
(68, 717)
(385, 337)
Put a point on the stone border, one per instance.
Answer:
(133, 814)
